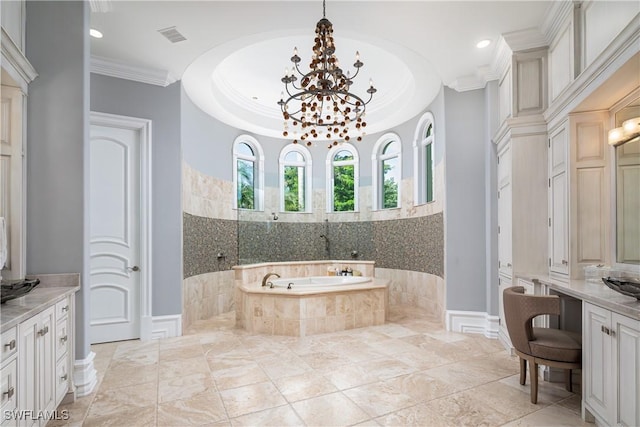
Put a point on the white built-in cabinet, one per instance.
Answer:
(558, 202)
(611, 367)
(589, 191)
(35, 369)
(36, 365)
(521, 144)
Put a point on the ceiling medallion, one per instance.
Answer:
(321, 105)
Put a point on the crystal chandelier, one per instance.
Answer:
(321, 104)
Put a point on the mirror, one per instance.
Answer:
(628, 192)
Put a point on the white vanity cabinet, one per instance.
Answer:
(8, 373)
(611, 367)
(37, 356)
(36, 365)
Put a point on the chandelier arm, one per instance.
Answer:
(356, 73)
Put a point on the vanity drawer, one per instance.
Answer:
(62, 308)
(62, 379)
(62, 338)
(9, 343)
(9, 387)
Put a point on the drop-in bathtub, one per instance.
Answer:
(318, 283)
(313, 305)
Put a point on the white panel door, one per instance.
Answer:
(115, 233)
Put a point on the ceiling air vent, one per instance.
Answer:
(172, 34)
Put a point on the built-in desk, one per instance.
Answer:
(610, 350)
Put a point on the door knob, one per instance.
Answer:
(134, 268)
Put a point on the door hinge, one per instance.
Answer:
(549, 182)
(499, 322)
(549, 142)
(498, 229)
(549, 262)
(498, 159)
(498, 194)
(549, 222)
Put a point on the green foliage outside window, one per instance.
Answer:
(246, 185)
(390, 186)
(343, 188)
(293, 189)
(429, 172)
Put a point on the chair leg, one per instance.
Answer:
(523, 371)
(567, 380)
(534, 382)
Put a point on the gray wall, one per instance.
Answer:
(162, 106)
(57, 137)
(465, 211)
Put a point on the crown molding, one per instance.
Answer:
(530, 38)
(557, 15)
(16, 59)
(109, 67)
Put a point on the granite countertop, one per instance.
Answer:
(52, 288)
(595, 293)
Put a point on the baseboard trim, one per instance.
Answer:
(472, 322)
(84, 375)
(166, 326)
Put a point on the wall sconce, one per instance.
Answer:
(630, 129)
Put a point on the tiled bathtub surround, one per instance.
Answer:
(301, 316)
(262, 311)
(415, 289)
(207, 295)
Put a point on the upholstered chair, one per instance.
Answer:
(539, 346)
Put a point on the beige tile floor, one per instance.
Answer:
(407, 372)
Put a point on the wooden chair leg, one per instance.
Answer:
(534, 382)
(523, 371)
(567, 380)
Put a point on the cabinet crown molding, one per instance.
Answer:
(14, 57)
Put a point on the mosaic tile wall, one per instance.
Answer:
(414, 244)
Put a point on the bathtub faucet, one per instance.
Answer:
(266, 277)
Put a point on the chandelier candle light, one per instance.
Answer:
(321, 105)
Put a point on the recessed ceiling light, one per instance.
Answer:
(483, 43)
(255, 98)
(95, 33)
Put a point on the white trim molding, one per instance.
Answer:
(16, 64)
(472, 322)
(109, 67)
(166, 326)
(84, 375)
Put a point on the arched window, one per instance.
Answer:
(423, 162)
(387, 171)
(342, 178)
(248, 173)
(295, 179)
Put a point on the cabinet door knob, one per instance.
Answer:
(63, 339)
(564, 262)
(10, 392)
(65, 308)
(44, 331)
(11, 344)
(63, 377)
(508, 265)
(134, 268)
